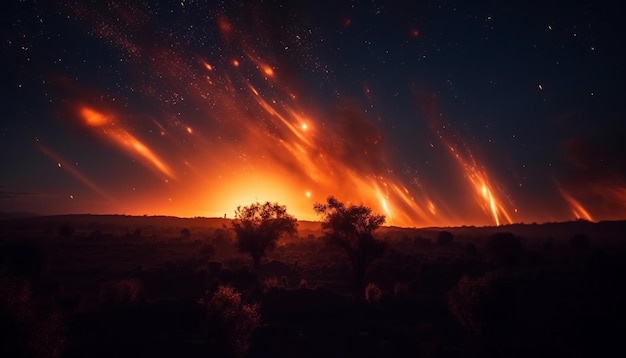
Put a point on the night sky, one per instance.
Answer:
(431, 112)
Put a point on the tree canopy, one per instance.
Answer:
(351, 228)
(259, 226)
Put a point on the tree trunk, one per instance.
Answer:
(358, 273)
(256, 259)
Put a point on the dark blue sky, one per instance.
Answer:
(434, 112)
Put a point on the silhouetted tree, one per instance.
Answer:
(351, 228)
(444, 238)
(505, 248)
(185, 233)
(259, 226)
(471, 249)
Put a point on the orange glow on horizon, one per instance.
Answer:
(243, 135)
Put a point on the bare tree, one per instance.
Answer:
(351, 228)
(259, 226)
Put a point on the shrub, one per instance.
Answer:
(27, 327)
(207, 250)
(505, 248)
(231, 321)
(66, 230)
(471, 249)
(373, 294)
(485, 305)
(122, 293)
(304, 283)
(445, 238)
(274, 283)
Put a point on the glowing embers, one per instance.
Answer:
(93, 118)
(115, 132)
(268, 70)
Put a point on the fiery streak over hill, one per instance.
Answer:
(222, 131)
(269, 148)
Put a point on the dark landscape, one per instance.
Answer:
(131, 286)
(476, 146)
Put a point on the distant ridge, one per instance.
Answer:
(85, 222)
(16, 215)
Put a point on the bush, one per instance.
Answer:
(373, 294)
(445, 238)
(485, 305)
(471, 249)
(122, 293)
(273, 282)
(304, 284)
(231, 321)
(66, 230)
(27, 327)
(505, 248)
(207, 250)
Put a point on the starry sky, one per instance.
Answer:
(433, 113)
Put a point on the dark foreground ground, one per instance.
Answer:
(117, 286)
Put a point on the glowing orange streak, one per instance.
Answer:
(578, 210)
(75, 172)
(206, 64)
(94, 118)
(480, 183)
(327, 172)
(410, 207)
(264, 67)
(291, 147)
(477, 178)
(124, 139)
(297, 129)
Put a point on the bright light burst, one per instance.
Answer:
(231, 131)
